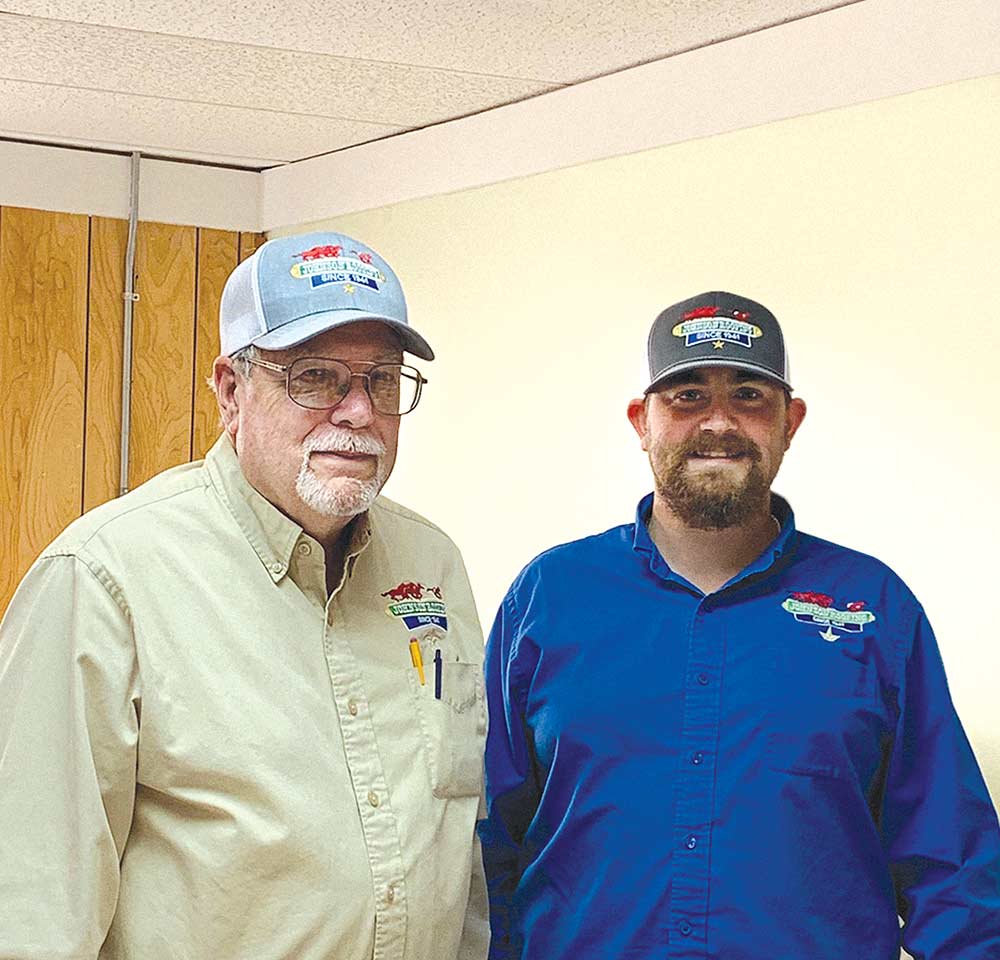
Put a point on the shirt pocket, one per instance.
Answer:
(453, 728)
(825, 713)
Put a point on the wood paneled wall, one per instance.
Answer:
(62, 277)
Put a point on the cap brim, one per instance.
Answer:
(693, 364)
(298, 331)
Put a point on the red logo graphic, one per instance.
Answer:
(699, 312)
(856, 606)
(741, 315)
(326, 252)
(411, 591)
(820, 599)
(364, 257)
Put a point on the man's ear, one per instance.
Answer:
(224, 380)
(795, 415)
(637, 417)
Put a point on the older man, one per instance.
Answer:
(242, 713)
(715, 736)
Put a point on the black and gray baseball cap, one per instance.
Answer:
(293, 288)
(717, 329)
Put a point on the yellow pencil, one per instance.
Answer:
(418, 660)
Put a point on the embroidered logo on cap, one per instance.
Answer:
(325, 252)
(817, 609)
(408, 604)
(328, 264)
(709, 324)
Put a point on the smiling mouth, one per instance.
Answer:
(717, 457)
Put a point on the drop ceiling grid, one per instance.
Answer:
(253, 77)
(172, 128)
(559, 41)
(264, 83)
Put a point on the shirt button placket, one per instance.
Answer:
(378, 822)
(694, 785)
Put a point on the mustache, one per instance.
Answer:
(731, 444)
(342, 440)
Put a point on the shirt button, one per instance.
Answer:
(697, 757)
(373, 798)
(685, 928)
(277, 568)
(703, 679)
(304, 549)
(390, 893)
(691, 843)
(352, 707)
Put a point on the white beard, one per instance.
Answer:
(340, 496)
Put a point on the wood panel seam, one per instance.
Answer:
(86, 367)
(194, 335)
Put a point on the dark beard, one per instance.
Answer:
(700, 502)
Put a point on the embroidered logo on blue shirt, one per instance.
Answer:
(818, 609)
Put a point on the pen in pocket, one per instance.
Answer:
(418, 660)
(437, 674)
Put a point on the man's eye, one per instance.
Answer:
(319, 378)
(748, 393)
(313, 375)
(688, 396)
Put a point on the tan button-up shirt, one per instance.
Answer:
(204, 756)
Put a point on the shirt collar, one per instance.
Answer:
(782, 544)
(271, 534)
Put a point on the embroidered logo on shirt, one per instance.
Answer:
(408, 604)
(709, 324)
(818, 609)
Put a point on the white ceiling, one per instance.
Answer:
(263, 83)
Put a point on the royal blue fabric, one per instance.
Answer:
(674, 775)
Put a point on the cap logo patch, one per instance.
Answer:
(817, 608)
(705, 324)
(328, 264)
(408, 604)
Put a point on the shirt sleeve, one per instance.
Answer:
(68, 736)
(511, 785)
(939, 824)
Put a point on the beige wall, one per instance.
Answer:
(872, 231)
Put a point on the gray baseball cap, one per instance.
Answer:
(293, 288)
(716, 329)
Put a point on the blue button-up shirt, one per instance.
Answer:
(773, 771)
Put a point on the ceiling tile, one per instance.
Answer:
(172, 127)
(556, 41)
(203, 71)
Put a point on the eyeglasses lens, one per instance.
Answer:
(320, 384)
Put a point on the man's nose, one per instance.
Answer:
(718, 417)
(356, 409)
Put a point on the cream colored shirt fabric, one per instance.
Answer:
(202, 756)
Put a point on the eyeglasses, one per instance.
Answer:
(319, 383)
